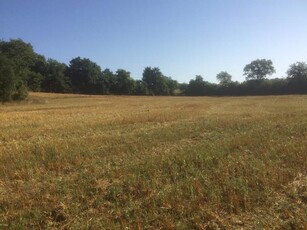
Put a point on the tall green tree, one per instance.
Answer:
(34, 81)
(21, 57)
(173, 86)
(124, 84)
(150, 76)
(7, 79)
(55, 80)
(84, 75)
(106, 82)
(20, 53)
(140, 88)
(157, 83)
(298, 71)
(224, 78)
(297, 77)
(258, 69)
(37, 73)
(196, 87)
(162, 86)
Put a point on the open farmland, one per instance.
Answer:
(111, 162)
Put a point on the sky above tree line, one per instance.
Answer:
(183, 38)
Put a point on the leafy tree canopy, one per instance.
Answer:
(224, 78)
(140, 88)
(55, 79)
(17, 59)
(259, 69)
(20, 53)
(124, 84)
(84, 74)
(157, 83)
(106, 82)
(150, 77)
(7, 79)
(196, 86)
(298, 71)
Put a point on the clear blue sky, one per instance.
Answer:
(183, 38)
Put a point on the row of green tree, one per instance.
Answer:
(22, 69)
(256, 82)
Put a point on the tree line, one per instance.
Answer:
(23, 70)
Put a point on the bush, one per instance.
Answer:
(21, 92)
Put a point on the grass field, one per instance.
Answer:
(116, 162)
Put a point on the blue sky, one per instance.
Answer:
(183, 38)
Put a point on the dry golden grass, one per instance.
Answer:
(108, 162)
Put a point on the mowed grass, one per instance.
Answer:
(116, 162)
